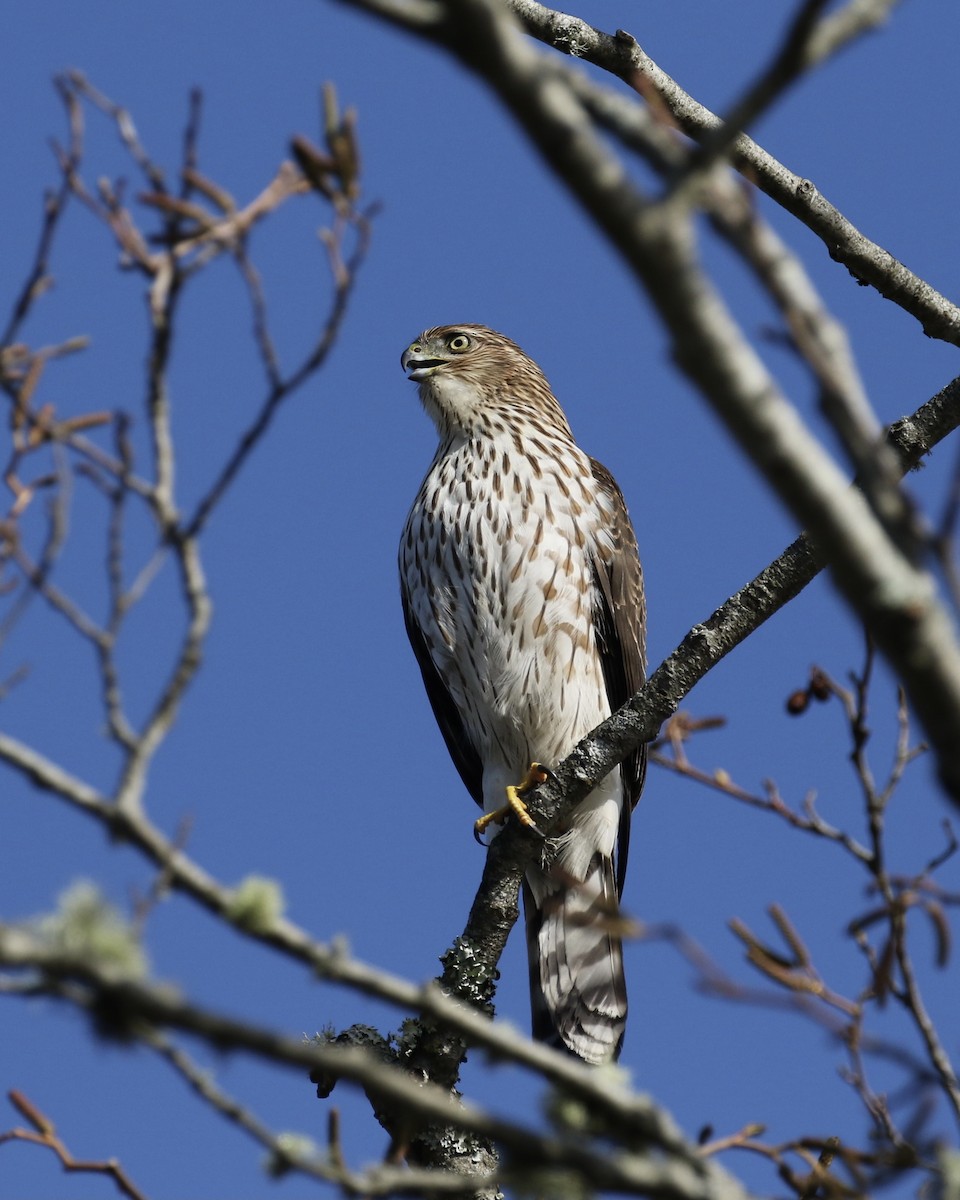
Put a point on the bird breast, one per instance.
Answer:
(496, 558)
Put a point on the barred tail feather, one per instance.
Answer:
(578, 994)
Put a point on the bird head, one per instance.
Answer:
(454, 350)
(474, 380)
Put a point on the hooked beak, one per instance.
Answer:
(417, 365)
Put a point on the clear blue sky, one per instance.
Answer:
(306, 750)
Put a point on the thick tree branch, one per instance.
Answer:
(621, 55)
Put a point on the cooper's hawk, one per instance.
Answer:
(523, 600)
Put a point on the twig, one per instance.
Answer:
(81, 86)
(810, 40)
(895, 902)
(44, 1133)
(203, 1083)
(37, 574)
(281, 389)
(261, 330)
(796, 973)
(792, 60)
(809, 821)
(284, 1157)
(38, 280)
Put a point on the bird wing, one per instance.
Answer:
(620, 621)
(465, 756)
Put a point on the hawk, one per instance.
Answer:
(523, 600)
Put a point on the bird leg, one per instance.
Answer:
(536, 774)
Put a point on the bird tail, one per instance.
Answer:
(578, 994)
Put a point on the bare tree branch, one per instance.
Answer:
(622, 56)
(44, 1133)
(666, 1171)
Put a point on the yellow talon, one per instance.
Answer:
(497, 817)
(536, 774)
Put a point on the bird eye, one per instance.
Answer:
(459, 341)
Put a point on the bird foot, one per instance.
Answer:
(536, 774)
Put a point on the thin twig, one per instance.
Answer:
(44, 1133)
(282, 389)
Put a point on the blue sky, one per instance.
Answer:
(306, 750)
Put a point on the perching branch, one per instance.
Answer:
(495, 908)
(889, 591)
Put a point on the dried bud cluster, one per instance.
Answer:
(819, 688)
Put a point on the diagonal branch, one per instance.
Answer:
(868, 262)
(895, 598)
(495, 908)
